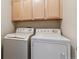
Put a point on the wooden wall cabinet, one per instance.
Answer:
(27, 10)
(21, 10)
(52, 9)
(35, 9)
(16, 10)
(38, 9)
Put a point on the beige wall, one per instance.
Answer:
(69, 23)
(39, 24)
(6, 24)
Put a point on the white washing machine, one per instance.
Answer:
(15, 45)
(49, 44)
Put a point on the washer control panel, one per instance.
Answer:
(25, 30)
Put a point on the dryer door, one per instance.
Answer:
(42, 50)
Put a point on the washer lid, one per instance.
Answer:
(17, 36)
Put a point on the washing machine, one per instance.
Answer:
(15, 45)
(49, 44)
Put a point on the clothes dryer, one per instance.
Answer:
(49, 44)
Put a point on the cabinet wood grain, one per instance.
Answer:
(35, 10)
(52, 8)
(16, 11)
(27, 10)
(38, 9)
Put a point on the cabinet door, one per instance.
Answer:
(27, 9)
(16, 9)
(52, 8)
(38, 9)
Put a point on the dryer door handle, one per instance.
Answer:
(62, 55)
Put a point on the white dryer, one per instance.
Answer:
(15, 45)
(49, 44)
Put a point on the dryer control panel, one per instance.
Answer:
(58, 31)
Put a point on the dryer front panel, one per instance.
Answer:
(41, 50)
